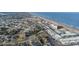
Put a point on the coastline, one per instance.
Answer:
(68, 27)
(59, 19)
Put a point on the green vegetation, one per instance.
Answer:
(3, 31)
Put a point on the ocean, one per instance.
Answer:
(68, 18)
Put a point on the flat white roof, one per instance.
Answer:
(71, 38)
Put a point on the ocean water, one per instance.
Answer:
(69, 18)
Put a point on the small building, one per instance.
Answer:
(53, 26)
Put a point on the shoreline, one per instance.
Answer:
(60, 22)
(66, 26)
